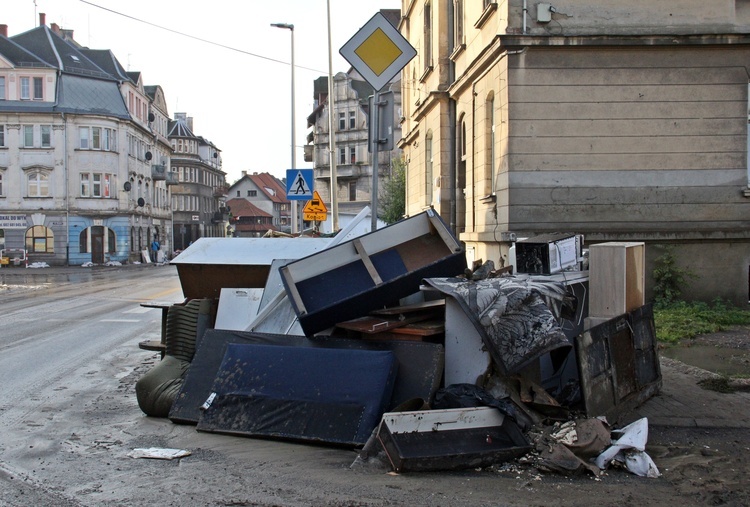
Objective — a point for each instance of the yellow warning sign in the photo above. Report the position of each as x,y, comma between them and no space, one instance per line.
315,209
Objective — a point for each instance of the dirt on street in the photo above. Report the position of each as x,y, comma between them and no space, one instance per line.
74,450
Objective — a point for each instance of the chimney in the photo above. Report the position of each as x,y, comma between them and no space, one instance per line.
190,122
244,173
42,19
55,28
4,30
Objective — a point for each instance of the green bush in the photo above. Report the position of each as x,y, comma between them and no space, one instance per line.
669,280
679,320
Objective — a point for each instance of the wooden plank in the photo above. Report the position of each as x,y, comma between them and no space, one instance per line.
367,262
373,324
417,307
291,289
425,328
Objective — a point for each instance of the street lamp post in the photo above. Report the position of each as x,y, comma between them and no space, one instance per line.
295,219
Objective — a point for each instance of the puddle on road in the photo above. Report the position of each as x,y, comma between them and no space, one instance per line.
728,361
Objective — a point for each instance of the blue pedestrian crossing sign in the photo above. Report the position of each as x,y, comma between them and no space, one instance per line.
299,184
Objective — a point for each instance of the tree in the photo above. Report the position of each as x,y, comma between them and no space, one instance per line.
392,198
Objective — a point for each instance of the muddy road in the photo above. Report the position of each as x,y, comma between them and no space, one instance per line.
70,422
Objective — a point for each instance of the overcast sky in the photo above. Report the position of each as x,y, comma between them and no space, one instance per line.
236,81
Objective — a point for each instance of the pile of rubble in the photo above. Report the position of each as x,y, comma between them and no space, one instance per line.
388,342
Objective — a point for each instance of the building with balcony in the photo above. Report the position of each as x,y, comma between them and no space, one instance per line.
81,140
353,159
199,195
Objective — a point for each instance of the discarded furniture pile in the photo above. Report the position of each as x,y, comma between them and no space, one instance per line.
388,342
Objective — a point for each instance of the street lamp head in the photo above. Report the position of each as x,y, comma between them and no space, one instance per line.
283,25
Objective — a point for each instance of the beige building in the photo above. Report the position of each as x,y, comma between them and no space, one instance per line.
620,122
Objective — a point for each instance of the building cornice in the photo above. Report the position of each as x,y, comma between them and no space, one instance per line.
524,41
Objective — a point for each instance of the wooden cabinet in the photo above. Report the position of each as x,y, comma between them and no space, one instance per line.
616,278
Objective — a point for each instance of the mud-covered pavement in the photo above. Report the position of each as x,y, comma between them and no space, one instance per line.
66,437
73,450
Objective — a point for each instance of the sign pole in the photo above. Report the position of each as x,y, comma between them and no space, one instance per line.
375,119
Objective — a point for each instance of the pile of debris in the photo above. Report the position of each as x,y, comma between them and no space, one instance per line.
387,342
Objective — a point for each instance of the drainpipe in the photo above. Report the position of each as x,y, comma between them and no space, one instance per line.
452,173
67,188
525,10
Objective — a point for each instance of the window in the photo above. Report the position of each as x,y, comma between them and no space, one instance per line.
38,184
352,120
46,134
1,183
342,156
491,143
28,136
85,185
2,135
252,193
25,88
238,194
83,241
342,121
96,187
428,168
38,91
352,155
427,36
100,138
39,239
109,183
353,190
458,23
2,87
83,134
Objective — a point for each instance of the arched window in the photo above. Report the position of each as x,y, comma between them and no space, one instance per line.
83,241
40,239
490,131
133,242
37,183
111,241
461,157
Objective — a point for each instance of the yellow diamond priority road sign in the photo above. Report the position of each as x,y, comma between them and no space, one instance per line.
378,51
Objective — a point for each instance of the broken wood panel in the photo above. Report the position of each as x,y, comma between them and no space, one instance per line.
619,364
